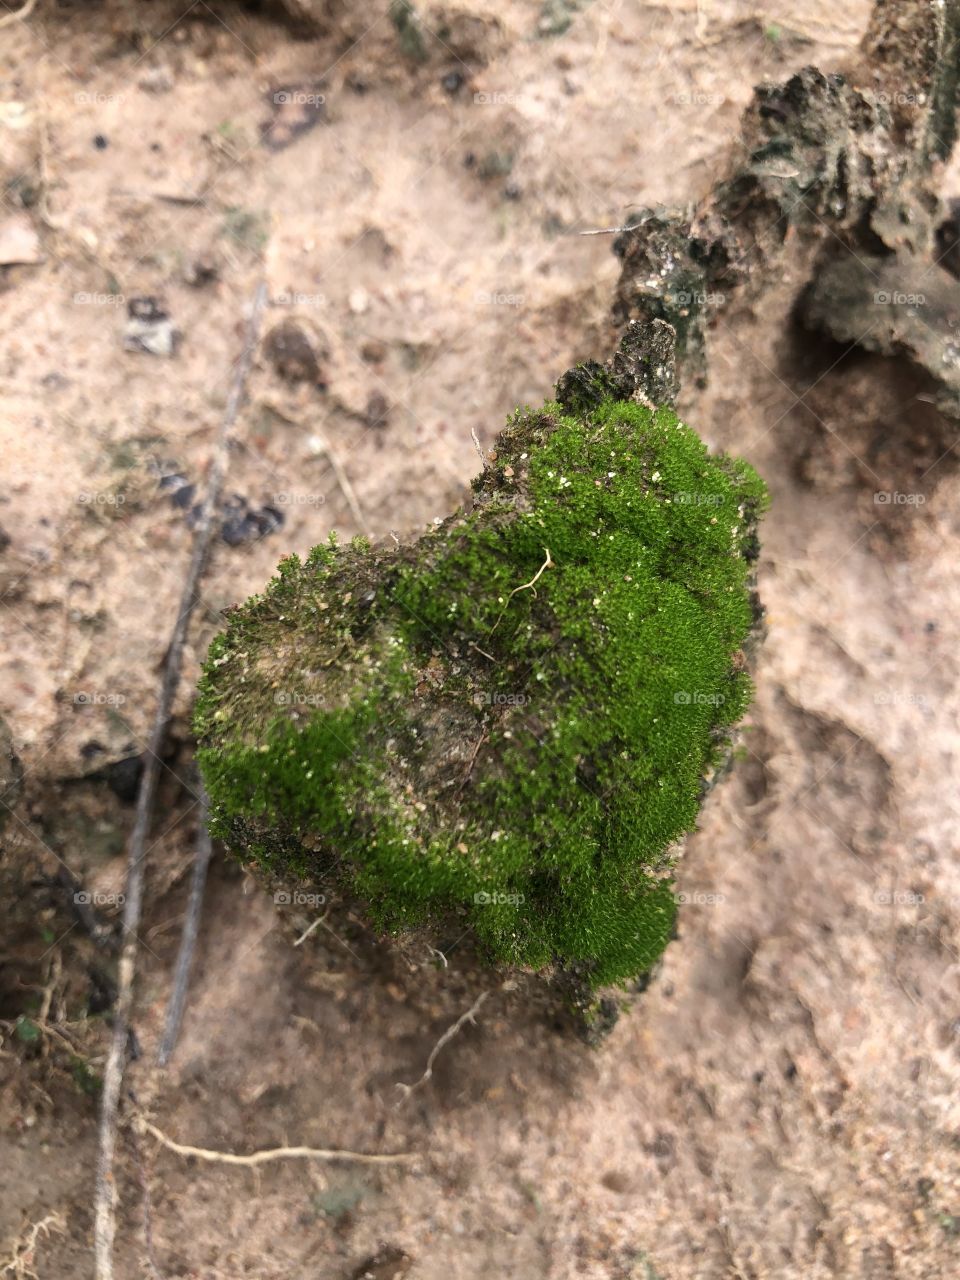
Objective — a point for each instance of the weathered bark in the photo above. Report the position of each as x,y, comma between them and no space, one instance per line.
847,162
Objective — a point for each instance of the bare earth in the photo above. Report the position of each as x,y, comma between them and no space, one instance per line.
783,1101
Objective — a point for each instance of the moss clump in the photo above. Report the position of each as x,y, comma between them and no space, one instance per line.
512,719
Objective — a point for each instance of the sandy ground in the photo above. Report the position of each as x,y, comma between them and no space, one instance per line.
783,1100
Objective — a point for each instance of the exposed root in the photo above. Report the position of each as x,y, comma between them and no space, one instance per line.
309,929
272,1153
105,1192
527,586
191,930
19,1264
448,1035
21,15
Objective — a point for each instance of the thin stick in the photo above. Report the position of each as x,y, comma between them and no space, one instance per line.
101,932
605,231
21,15
324,448
147,1210
343,480
191,929
473,760
273,1153
310,928
105,1197
451,1031
19,1265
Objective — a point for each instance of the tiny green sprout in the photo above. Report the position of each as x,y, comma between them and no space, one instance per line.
26,1030
84,1077
406,22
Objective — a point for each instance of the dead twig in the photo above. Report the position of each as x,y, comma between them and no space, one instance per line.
101,931
343,480
56,1030
473,760
273,1153
105,1194
21,14
310,928
56,968
147,1209
323,448
448,1035
479,447
605,231
191,929
19,1264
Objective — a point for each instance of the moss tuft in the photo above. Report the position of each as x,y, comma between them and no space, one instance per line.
510,721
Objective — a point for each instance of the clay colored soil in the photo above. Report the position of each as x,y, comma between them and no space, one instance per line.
782,1102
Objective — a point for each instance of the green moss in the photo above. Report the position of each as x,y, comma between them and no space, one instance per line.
510,721
409,29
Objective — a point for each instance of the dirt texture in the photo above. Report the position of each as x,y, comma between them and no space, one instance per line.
783,1099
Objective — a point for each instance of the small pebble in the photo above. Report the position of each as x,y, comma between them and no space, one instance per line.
242,524
295,351
149,328
203,270
156,80
123,778
373,351
378,410
184,496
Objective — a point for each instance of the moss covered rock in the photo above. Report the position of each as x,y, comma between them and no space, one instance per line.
512,720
